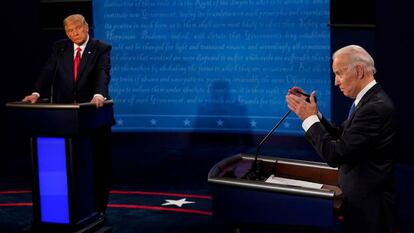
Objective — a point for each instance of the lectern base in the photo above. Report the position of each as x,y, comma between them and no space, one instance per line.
96,227
104,230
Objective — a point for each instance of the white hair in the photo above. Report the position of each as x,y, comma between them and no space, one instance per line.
357,55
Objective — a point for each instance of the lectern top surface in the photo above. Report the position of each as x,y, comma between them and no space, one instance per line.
20,104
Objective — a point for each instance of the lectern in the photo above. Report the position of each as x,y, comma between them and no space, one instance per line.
239,201
61,150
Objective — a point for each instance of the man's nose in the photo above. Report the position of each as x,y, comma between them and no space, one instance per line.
336,81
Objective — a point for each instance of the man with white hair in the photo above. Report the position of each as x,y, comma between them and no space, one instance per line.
364,146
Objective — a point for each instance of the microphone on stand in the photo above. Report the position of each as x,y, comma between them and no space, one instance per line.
256,169
60,52
53,83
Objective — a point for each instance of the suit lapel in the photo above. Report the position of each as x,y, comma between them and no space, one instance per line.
363,101
375,89
85,58
67,61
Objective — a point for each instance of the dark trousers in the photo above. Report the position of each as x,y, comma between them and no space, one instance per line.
376,213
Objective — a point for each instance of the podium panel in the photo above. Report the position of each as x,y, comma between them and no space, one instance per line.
62,149
53,181
237,200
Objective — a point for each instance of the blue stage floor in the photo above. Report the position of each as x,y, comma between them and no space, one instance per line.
146,180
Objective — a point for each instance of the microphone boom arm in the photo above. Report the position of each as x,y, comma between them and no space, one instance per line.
254,172
255,168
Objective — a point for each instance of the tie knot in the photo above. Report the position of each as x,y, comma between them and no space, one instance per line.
78,49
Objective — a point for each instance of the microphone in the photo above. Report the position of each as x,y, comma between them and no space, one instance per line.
60,53
255,172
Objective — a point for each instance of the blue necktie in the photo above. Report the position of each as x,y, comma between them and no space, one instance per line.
351,110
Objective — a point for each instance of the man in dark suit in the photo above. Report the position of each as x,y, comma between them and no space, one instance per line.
364,147
78,71
58,75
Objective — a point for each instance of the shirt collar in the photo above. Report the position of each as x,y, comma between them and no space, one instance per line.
364,91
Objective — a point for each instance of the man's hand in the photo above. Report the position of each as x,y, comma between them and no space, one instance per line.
296,91
98,100
298,105
31,98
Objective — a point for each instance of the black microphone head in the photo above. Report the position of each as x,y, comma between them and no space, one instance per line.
308,99
307,96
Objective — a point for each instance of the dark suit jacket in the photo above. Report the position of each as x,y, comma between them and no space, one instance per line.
364,148
93,78
93,75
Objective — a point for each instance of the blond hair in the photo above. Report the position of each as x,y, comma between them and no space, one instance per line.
75,18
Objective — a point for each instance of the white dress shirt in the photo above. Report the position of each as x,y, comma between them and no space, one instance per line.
308,122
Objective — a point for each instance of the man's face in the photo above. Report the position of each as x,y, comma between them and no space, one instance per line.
77,31
345,76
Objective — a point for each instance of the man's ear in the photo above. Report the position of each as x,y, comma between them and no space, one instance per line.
360,71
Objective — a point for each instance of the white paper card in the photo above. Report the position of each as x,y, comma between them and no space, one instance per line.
285,181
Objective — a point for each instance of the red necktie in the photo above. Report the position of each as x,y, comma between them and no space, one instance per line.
76,62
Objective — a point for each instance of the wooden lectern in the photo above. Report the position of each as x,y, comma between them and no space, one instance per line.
62,165
238,201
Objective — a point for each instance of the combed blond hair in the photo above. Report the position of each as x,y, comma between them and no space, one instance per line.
75,18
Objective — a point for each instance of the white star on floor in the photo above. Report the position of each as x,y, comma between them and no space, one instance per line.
178,203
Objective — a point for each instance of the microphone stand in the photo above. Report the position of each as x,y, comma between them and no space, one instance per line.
60,53
53,83
255,170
